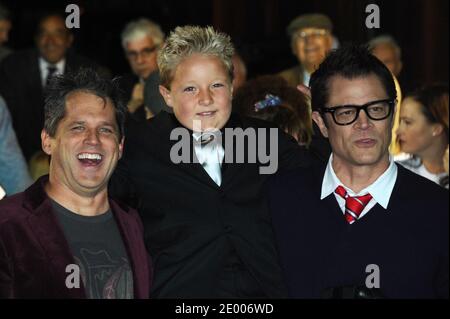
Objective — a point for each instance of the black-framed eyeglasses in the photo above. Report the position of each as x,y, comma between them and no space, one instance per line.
348,114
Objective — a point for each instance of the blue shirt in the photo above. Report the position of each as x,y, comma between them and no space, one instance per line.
14,176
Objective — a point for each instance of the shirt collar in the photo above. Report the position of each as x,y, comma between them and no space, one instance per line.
59,66
306,78
380,190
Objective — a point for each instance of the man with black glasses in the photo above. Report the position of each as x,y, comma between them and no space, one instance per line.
359,226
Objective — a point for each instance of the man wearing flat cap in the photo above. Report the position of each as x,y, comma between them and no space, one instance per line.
311,39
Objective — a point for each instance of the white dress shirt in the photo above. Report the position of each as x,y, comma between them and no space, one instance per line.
43,67
306,78
210,155
380,189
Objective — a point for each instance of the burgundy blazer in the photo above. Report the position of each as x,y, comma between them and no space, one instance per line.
34,252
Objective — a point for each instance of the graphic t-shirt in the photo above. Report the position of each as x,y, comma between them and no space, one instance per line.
98,249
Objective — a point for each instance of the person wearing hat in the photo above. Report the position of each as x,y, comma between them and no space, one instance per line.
311,39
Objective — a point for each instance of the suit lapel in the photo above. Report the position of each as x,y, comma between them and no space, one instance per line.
230,170
194,169
34,78
138,260
44,225
49,234
299,75
197,171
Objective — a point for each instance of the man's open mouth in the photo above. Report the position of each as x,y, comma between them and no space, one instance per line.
90,159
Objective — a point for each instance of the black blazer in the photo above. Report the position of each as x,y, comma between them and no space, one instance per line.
319,250
189,221
21,87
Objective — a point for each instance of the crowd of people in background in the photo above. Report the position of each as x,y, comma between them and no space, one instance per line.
205,231
311,37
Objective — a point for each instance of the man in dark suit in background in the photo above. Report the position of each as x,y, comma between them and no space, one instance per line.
360,226
24,75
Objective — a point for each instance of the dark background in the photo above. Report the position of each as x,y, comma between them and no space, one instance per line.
257,28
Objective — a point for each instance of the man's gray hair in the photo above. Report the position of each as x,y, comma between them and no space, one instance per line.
83,80
188,40
386,39
142,27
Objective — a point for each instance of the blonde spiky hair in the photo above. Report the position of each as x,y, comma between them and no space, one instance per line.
188,40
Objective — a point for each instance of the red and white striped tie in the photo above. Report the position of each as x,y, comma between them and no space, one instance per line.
353,205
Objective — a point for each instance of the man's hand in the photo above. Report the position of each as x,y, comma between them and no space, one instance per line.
137,97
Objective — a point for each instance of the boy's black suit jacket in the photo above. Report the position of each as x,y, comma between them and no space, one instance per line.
189,221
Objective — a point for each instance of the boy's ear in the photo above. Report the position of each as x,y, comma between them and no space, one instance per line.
166,95
46,142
